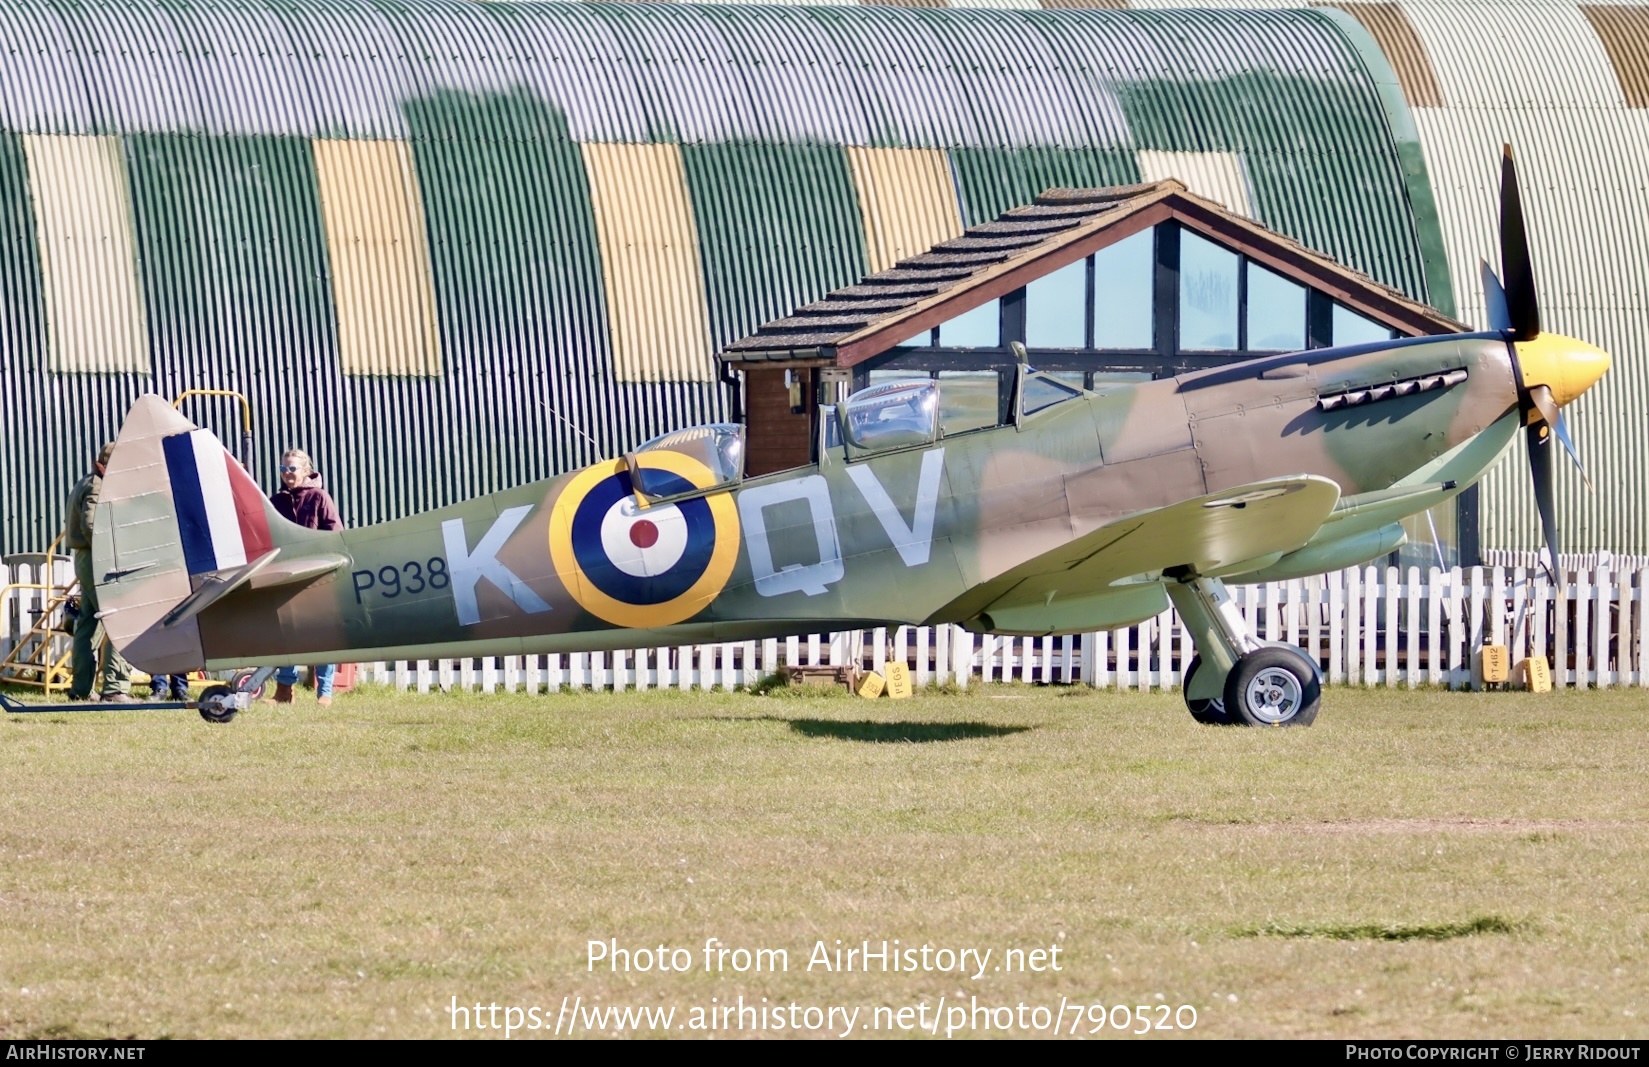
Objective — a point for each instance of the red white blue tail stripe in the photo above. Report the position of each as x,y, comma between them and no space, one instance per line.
220,510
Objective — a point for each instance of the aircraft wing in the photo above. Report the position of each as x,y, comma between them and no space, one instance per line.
1097,577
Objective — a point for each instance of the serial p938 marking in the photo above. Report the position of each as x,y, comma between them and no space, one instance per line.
393,579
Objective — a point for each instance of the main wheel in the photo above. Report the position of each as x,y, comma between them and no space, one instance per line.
1207,712
1273,687
214,705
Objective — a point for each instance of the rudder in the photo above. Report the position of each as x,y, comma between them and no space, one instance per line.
179,524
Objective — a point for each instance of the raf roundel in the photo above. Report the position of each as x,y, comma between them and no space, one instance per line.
637,566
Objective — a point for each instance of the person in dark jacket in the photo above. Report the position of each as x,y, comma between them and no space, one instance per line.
303,499
89,638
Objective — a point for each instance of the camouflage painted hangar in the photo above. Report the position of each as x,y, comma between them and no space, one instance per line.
451,247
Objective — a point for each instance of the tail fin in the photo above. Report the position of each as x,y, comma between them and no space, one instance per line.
180,525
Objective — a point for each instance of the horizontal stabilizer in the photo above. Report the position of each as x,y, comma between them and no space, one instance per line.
262,573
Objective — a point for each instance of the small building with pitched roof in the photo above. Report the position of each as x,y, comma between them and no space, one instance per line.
1099,285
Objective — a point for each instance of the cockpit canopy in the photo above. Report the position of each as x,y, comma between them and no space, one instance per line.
895,415
911,412
715,453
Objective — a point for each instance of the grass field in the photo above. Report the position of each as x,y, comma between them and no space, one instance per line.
1417,864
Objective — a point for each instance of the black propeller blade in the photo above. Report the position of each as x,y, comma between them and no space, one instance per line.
1545,488
1561,428
1494,300
1523,307
1515,308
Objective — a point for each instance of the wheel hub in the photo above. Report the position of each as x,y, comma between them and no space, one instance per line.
1274,695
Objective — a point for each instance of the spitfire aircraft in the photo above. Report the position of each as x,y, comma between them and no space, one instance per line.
1088,510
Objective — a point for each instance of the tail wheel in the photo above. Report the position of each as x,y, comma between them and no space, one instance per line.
1207,712
242,679
1273,687
217,704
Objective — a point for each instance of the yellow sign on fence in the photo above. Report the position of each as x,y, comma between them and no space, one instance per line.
1496,664
871,687
898,681
1538,674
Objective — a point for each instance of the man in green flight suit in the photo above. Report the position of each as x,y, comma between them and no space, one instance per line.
88,632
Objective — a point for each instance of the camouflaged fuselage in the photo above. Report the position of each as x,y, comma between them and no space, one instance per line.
900,537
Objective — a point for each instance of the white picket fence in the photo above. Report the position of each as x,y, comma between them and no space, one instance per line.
1368,626
1578,561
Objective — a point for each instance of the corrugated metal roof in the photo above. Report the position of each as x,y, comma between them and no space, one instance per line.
650,263
1543,55
1624,31
379,258
23,323
495,105
906,199
1401,44
989,181
247,70
134,64
1216,176
229,236
518,286
44,90
356,72
755,206
83,215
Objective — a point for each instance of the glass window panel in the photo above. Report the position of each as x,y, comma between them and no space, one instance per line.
1056,308
1351,328
1124,288
968,400
1207,295
829,427
877,377
979,328
1104,378
719,446
1042,392
1276,312
896,415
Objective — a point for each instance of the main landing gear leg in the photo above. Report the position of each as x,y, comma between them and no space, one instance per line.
1236,678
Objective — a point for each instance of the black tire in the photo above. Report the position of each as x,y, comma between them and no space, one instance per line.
1207,712
211,705
1273,687
240,680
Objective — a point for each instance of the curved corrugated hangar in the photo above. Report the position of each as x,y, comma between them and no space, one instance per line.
449,247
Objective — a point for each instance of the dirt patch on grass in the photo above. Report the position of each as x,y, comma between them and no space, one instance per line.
1465,824
1438,931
